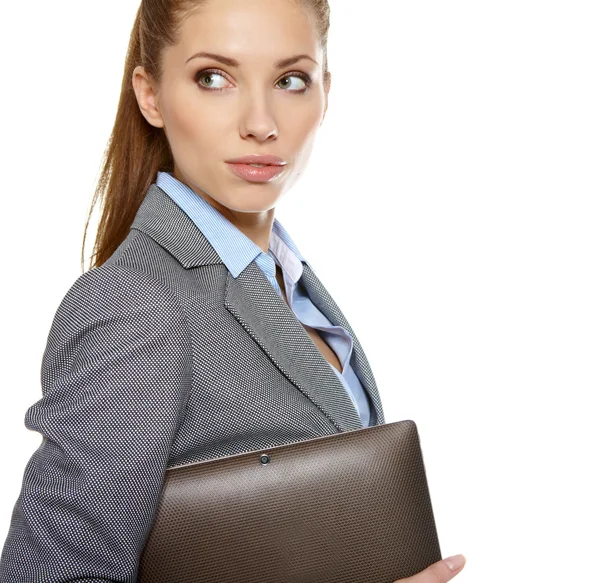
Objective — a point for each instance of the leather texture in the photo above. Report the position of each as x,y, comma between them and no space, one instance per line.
155,359
352,507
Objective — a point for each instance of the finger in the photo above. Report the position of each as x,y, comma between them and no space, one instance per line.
439,572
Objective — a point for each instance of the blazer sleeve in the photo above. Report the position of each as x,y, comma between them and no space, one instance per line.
115,375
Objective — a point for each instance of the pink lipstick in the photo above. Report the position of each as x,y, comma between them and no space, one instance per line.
267,167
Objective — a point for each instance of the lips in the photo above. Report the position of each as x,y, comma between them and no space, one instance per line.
256,174
264,159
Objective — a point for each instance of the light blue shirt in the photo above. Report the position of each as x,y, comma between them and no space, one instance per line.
237,251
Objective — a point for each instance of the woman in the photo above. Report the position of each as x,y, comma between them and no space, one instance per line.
201,331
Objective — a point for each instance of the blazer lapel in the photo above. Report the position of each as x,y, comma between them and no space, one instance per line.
263,314
268,319
358,360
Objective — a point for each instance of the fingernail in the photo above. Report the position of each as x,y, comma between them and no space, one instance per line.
456,562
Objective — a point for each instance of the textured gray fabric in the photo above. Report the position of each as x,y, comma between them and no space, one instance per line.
158,358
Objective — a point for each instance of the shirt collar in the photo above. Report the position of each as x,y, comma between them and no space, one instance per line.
235,249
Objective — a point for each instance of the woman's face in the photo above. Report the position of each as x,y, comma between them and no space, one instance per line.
213,111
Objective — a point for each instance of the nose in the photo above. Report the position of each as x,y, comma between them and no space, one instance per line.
258,121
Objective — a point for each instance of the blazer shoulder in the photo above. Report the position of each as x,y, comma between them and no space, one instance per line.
114,292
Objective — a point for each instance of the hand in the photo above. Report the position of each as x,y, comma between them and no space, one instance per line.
439,572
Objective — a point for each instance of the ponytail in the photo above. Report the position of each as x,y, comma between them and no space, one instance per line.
134,154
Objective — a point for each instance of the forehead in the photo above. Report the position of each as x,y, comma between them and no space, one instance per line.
251,31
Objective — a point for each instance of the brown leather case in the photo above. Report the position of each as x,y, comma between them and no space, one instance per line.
352,507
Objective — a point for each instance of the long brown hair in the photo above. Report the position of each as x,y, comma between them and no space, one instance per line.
136,150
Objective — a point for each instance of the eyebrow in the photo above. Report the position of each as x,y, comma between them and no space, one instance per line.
281,64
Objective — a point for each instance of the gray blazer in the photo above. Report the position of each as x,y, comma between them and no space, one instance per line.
158,358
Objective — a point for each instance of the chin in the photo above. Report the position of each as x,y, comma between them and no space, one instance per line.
250,206
256,199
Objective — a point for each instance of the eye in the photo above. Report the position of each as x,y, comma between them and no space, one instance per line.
201,76
204,79
303,77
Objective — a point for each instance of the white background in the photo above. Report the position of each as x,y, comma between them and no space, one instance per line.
451,208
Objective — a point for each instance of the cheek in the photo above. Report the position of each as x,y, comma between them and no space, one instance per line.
191,129
305,122
303,130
